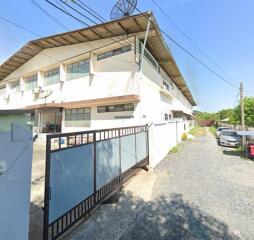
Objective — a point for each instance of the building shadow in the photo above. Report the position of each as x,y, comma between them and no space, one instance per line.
165,218
36,222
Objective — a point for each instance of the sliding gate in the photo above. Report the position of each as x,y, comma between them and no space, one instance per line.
84,168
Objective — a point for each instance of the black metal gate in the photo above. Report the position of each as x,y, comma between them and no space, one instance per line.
83,169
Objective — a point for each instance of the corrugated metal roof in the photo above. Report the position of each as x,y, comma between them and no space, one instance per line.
125,26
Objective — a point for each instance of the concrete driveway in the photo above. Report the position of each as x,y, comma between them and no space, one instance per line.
199,192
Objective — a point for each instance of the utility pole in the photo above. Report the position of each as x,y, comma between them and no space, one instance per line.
242,113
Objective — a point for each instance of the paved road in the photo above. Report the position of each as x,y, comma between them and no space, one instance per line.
202,192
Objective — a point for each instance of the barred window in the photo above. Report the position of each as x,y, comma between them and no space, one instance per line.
2,90
15,86
78,69
116,108
78,117
51,77
114,52
31,82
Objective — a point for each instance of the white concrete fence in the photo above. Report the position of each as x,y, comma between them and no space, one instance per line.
164,136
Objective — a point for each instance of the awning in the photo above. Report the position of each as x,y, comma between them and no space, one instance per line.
89,103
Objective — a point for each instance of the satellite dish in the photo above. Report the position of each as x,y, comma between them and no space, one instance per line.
122,9
43,94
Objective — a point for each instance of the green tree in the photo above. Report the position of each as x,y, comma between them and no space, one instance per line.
235,118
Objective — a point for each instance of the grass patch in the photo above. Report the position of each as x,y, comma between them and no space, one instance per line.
212,130
174,149
198,131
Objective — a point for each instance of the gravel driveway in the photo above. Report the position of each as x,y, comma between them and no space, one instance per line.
201,192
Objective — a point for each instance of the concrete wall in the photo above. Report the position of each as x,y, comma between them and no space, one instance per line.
15,182
163,137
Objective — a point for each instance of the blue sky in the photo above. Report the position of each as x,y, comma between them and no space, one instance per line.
223,29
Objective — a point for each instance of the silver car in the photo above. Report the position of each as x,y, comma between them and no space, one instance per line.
229,138
219,129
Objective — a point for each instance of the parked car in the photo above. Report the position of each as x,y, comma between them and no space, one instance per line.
229,138
219,129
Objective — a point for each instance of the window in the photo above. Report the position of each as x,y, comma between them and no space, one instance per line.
78,69
78,117
149,57
166,117
114,52
15,86
31,82
116,108
51,77
2,90
165,86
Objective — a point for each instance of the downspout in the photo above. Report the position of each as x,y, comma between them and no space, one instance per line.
141,64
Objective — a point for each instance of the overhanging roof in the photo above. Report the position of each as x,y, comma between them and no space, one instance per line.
125,26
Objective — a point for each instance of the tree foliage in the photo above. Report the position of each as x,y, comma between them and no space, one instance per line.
233,115
248,112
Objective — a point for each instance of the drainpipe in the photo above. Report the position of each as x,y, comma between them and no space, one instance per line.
141,64
144,45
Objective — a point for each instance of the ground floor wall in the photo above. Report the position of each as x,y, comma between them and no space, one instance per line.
164,136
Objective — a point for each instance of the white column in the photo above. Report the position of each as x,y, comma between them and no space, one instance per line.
22,84
62,73
40,78
92,63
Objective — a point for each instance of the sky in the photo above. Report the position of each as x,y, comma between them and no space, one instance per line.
223,29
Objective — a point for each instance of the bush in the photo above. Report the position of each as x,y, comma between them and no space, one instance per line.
184,136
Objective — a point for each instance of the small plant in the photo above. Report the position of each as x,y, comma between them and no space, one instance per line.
184,136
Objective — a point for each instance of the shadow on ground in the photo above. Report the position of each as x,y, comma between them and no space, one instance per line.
164,218
36,222
234,152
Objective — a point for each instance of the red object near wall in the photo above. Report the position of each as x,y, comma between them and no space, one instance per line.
251,150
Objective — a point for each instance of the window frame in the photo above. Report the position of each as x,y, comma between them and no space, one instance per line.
84,74
45,78
114,52
16,88
116,108
74,117
30,79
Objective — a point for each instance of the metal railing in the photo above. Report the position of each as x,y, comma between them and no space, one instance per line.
58,146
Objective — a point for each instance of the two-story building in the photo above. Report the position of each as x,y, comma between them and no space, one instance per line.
96,77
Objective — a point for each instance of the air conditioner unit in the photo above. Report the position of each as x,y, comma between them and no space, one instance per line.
7,97
36,90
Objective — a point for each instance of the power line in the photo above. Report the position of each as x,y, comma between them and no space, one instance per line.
195,44
76,18
50,16
20,27
192,55
77,11
95,14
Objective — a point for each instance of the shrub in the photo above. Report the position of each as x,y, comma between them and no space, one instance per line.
184,136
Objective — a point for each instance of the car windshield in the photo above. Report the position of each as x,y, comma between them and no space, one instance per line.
223,128
229,133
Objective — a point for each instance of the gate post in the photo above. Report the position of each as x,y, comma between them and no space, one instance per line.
47,189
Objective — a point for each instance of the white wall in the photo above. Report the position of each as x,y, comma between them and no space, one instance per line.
113,76
163,136
15,184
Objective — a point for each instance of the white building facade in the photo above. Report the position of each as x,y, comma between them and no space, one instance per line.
74,81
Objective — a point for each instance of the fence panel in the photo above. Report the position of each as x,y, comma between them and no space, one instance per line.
84,168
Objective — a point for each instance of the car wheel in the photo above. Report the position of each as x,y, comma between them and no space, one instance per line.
218,141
